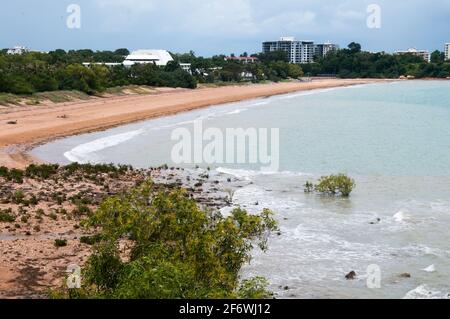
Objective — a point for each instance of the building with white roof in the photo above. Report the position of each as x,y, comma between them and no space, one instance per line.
156,57
18,50
424,54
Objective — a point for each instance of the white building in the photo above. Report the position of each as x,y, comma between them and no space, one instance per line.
424,54
18,50
447,51
186,67
156,57
242,59
298,51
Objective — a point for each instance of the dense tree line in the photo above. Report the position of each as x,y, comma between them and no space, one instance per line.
60,70
352,62
273,66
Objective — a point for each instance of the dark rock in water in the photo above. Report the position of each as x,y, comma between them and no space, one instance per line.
286,288
351,275
257,204
405,275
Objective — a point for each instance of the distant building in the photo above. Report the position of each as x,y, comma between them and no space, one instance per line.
156,57
101,63
306,51
242,59
322,49
18,50
447,51
298,51
186,67
424,54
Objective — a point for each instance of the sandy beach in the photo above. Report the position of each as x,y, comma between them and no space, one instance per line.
33,125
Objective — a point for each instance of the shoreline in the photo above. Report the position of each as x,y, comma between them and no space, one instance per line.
41,124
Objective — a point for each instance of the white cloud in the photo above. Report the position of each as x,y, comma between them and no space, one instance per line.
213,17
198,17
238,21
291,22
135,6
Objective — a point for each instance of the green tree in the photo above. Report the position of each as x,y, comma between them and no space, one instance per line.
174,249
437,57
78,77
295,71
354,47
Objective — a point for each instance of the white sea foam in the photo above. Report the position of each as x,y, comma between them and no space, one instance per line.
83,153
425,292
431,268
247,174
401,217
254,199
236,111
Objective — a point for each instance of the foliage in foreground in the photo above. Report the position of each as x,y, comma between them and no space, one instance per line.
332,185
173,249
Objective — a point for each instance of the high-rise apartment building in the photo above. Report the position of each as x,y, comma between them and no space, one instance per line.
322,49
298,51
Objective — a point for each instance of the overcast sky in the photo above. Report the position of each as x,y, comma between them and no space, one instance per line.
222,26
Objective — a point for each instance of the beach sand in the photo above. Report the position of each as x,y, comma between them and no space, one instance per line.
38,124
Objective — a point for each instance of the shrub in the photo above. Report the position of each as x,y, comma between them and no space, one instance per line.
91,240
60,243
177,249
336,184
4,172
15,175
33,200
18,197
81,210
43,171
6,216
309,187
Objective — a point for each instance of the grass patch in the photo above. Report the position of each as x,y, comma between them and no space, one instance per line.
61,96
9,99
6,216
130,89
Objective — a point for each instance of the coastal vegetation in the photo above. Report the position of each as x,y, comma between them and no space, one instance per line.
155,243
34,72
334,185
59,70
37,73
273,66
353,62
147,233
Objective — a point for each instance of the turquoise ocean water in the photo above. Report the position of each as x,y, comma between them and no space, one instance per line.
393,138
